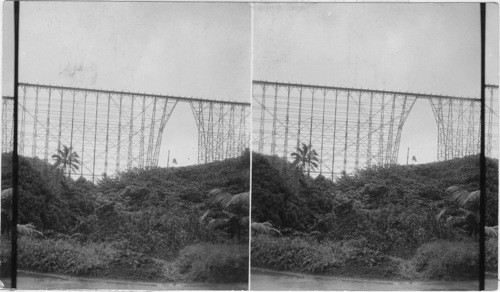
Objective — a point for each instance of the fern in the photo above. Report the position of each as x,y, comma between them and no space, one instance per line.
264,227
27,229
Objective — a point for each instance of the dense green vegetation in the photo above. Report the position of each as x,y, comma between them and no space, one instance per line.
141,224
380,221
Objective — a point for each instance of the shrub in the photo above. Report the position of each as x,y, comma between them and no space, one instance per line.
305,254
214,262
492,254
294,254
132,265
447,259
63,256
92,259
5,256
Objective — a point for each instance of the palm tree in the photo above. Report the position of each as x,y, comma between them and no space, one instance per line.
305,158
230,212
66,160
468,212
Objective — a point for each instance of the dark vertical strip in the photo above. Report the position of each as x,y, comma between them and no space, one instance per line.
15,158
482,179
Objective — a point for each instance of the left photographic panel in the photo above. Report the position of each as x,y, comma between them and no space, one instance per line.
133,143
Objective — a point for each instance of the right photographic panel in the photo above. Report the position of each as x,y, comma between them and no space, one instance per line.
366,129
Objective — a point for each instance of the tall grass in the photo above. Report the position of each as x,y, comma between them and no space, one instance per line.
492,254
295,254
214,262
347,257
60,256
447,260
91,259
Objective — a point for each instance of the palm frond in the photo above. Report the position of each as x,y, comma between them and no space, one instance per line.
440,214
455,220
244,221
491,231
204,216
241,199
7,194
217,223
27,229
264,227
214,192
229,214
222,199
462,196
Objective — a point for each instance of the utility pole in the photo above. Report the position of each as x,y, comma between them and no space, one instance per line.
407,155
168,159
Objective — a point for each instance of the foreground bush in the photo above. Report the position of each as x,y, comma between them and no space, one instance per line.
491,254
214,262
447,259
349,257
5,256
92,259
294,254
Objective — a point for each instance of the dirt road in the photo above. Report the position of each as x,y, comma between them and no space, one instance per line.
262,279
30,280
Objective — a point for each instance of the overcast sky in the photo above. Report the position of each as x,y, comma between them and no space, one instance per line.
427,48
204,50
181,49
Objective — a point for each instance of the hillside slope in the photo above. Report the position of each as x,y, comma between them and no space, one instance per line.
140,215
379,212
